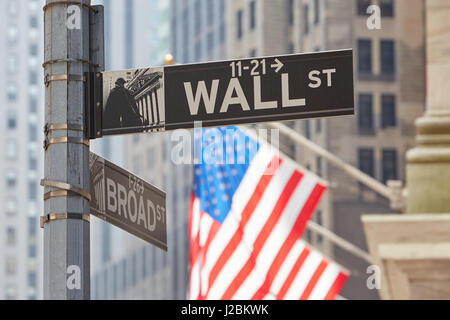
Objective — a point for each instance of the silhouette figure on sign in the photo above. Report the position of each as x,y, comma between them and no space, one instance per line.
121,110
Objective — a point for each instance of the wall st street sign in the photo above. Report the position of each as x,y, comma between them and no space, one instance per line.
128,202
223,93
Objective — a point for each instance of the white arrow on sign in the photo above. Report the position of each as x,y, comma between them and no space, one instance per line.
278,65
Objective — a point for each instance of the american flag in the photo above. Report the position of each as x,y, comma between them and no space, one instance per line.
246,218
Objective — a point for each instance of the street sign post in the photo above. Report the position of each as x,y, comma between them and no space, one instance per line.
223,93
128,202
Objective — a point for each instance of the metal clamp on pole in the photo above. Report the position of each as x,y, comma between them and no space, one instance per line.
65,190
75,140
96,65
63,216
67,3
62,77
62,126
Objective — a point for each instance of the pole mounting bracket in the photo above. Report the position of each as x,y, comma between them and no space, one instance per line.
65,189
63,77
94,105
63,216
68,3
75,140
62,126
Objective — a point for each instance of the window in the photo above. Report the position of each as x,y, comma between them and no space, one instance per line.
308,235
365,114
32,251
210,12
290,8
12,34
145,258
387,8
307,129
316,11
151,158
32,279
12,92
115,280
365,56
239,24
133,269
13,8
388,114
164,152
32,161
129,30
222,8
252,15
10,236
11,292
33,4
319,166
185,25
210,41
318,125
12,120
306,18
174,38
362,6
32,132
33,104
291,47
366,161
387,57
33,50
389,158
11,150
11,178
319,221
11,206
10,266
12,63
137,164
33,77
122,274
33,22
198,20
222,32
32,190
198,50
32,225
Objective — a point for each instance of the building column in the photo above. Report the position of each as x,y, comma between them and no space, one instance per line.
150,107
155,107
428,169
413,250
144,101
139,103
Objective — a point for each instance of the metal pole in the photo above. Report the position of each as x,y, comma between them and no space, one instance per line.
66,204
340,242
352,171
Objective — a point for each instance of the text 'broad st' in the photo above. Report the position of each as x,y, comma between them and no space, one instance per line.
128,202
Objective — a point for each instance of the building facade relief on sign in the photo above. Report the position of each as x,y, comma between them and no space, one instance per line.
133,99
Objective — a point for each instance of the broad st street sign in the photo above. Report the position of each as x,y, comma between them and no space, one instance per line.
223,93
128,202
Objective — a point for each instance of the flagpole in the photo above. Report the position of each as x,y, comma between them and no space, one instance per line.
362,177
393,192
341,242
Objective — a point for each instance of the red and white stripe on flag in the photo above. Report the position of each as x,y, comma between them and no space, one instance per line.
256,252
